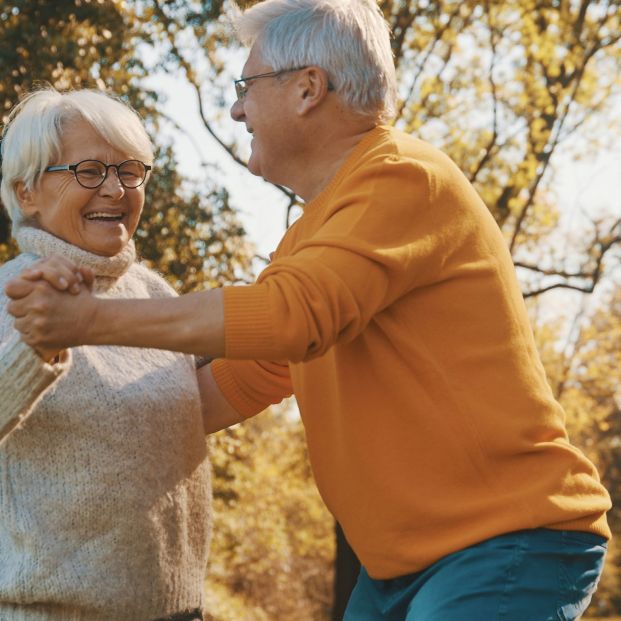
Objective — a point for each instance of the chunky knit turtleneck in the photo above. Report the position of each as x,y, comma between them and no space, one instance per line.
104,476
43,244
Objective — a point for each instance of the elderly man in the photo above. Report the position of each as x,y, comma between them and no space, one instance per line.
392,311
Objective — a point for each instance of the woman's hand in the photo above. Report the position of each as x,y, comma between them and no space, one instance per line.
50,321
59,273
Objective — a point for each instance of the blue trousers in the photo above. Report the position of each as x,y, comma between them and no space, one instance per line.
530,575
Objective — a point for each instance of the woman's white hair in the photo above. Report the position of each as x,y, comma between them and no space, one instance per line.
32,137
349,39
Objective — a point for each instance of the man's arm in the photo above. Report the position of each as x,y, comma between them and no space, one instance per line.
48,319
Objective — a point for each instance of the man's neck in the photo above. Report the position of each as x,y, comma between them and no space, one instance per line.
321,162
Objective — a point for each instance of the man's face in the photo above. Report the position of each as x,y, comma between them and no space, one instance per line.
267,111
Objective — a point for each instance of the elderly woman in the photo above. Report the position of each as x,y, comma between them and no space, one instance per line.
104,472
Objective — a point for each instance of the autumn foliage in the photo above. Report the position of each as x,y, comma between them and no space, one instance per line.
509,89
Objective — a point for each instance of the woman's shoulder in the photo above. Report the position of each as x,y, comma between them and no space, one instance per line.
10,269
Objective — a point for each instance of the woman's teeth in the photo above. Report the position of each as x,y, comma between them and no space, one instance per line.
100,215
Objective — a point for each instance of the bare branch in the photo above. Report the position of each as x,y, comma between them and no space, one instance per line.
552,271
293,201
189,73
592,276
421,66
571,349
556,131
546,153
401,25
187,134
560,285
494,137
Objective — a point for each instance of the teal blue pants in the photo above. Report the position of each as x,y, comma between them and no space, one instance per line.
530,575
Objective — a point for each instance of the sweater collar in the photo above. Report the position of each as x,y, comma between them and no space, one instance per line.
44,244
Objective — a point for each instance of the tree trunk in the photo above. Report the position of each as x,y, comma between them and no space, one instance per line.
347,567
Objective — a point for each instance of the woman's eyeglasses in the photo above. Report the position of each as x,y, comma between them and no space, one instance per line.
92,173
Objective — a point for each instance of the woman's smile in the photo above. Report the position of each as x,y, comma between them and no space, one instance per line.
100,220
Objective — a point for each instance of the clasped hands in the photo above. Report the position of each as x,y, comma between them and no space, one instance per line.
52,305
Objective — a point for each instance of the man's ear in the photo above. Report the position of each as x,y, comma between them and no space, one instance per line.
313,87
25,198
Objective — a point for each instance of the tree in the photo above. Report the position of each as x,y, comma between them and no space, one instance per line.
584,369
273,547
503,87
192,237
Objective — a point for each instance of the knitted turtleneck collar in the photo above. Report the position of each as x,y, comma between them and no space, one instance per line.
43,244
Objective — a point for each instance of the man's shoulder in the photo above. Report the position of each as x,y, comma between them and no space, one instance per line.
392,144
393,158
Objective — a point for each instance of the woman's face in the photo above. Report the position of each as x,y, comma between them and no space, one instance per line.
100,220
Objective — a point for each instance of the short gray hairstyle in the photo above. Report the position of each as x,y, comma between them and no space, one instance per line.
32,137
349,39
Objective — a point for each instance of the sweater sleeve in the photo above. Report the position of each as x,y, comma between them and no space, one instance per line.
24,376
24,379
252,385
381,234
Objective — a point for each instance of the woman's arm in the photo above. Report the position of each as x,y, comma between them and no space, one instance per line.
218,413
24,378
24,373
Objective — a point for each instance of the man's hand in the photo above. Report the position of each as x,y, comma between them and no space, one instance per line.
61,274
49,320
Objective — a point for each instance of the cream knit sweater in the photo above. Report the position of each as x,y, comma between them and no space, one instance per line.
104,473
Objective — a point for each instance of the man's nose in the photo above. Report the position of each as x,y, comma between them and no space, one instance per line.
237,111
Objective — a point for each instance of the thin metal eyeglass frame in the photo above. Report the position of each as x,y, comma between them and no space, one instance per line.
242,89
73,168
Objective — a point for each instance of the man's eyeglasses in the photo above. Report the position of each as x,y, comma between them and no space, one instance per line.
241,85
92,173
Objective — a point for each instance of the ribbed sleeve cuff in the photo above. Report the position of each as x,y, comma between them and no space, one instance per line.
232,391
24,378
248,324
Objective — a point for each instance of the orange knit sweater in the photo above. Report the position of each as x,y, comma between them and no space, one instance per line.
430,422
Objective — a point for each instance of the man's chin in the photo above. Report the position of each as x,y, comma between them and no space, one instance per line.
254,168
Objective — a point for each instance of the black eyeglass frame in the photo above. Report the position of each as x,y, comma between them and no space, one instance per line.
241,89
74,169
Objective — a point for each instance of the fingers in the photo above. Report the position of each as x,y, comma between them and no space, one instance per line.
19,287
88,276
48,354
49,320
31,317
58,271
36,301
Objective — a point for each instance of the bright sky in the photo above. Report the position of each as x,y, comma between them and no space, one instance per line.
262,208
592,184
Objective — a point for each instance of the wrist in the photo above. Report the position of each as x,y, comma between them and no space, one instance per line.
53,356
93,328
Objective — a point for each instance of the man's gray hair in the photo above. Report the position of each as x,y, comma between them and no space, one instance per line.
349,39
32,137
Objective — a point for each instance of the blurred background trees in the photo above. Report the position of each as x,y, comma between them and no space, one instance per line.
514,91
